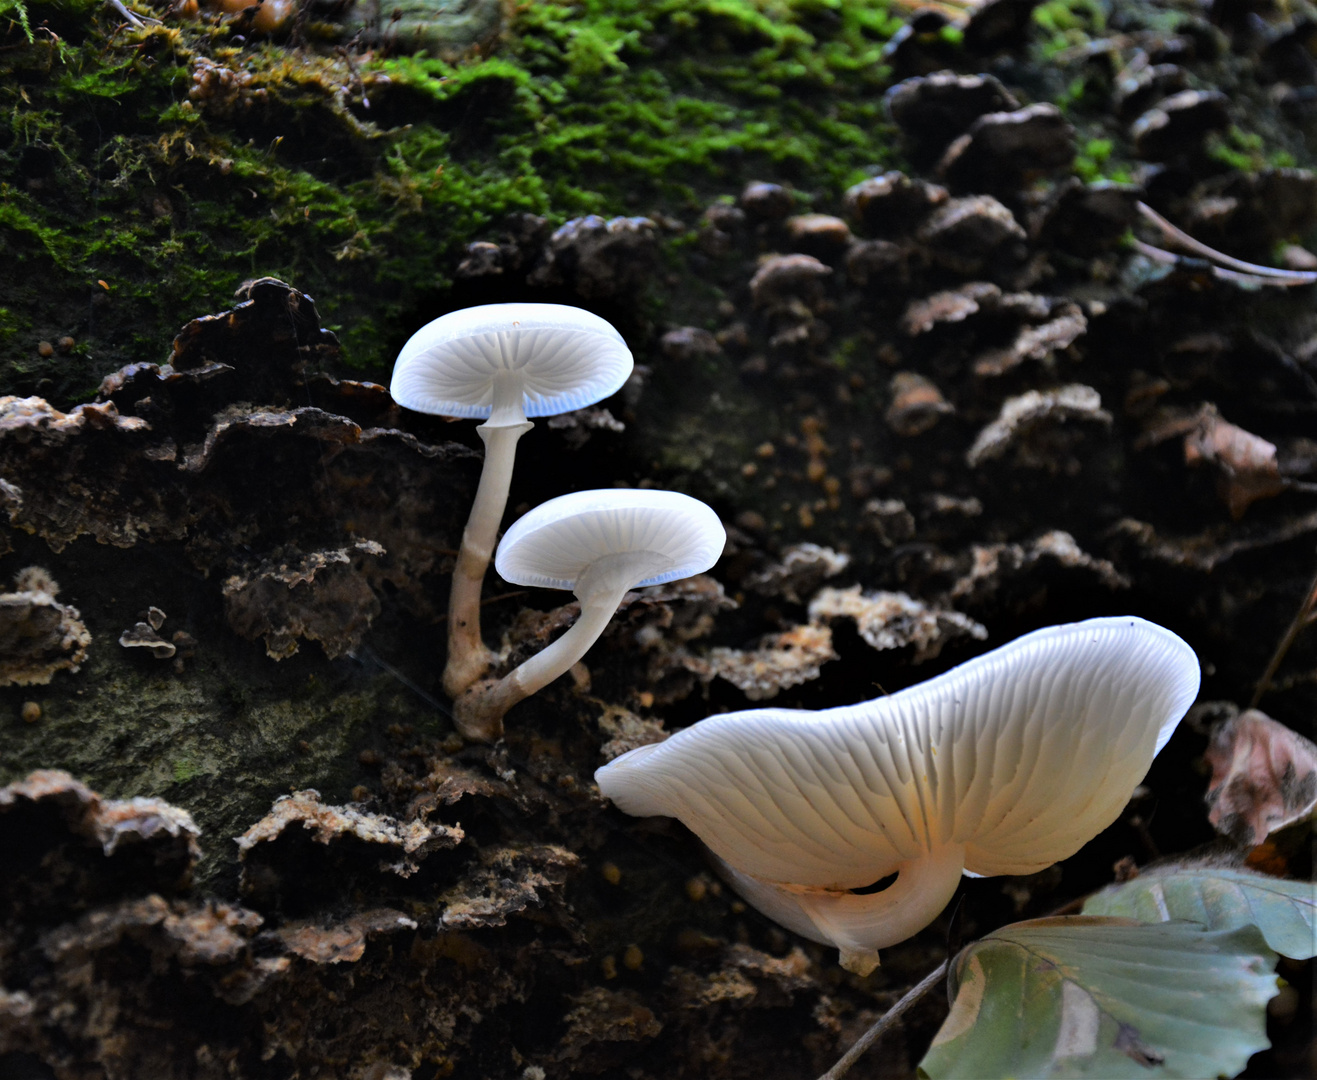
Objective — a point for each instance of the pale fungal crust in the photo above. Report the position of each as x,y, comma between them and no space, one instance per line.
405,843
670,536
1003,765
564,358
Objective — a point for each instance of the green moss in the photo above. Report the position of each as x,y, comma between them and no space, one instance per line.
111,173
1238,149
1091,160
1069,23
16,10
184,770
12,324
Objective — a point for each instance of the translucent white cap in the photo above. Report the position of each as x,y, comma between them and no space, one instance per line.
553,545
1019,757
567,358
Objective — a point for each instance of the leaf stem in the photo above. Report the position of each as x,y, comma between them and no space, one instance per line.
1301,619
890,1017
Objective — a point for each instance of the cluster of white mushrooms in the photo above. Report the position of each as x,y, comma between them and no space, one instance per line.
1003,765
505,363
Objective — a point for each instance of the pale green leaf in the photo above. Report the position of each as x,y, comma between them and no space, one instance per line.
1219,899
1082,996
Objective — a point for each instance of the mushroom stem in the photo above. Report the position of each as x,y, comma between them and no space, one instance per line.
468,659
478,714
859,924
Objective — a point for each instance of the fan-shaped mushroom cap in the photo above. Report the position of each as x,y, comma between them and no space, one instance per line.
664,534
1018,757
563,357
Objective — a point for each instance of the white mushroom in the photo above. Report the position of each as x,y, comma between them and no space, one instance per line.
599,544
1003,765
504,362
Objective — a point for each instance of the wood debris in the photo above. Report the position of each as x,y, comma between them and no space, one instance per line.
893,620
778,661
1023,415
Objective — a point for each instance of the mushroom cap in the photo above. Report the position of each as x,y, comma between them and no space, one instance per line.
552,545
1019,756
567,357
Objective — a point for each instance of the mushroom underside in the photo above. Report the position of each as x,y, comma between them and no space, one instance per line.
1013,761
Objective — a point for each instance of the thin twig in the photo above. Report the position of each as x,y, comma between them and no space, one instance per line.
365,653
1197,247
1156,254
889,1018
503,596
1301,619
1169,258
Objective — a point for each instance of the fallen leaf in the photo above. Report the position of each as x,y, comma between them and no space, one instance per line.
1246,463
1105,997
1218,898
1264,777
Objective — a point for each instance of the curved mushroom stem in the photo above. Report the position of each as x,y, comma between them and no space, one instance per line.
479,712
859,924
468,659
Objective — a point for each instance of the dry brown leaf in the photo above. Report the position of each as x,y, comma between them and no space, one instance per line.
1170,422
1264,777
1246,463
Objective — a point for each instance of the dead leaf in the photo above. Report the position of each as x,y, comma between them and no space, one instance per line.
1264,777
1246,463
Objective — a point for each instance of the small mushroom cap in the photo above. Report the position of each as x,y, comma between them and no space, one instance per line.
673,535
567,357
1020,757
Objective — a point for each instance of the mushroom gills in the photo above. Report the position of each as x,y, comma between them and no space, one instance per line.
1003,765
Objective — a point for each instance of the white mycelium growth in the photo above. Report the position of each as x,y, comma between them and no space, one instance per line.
504,362
1003,765
599,544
